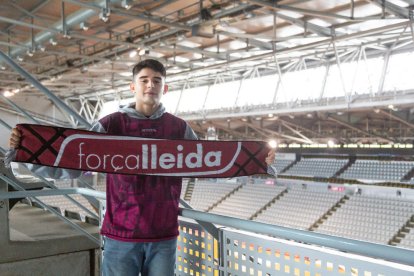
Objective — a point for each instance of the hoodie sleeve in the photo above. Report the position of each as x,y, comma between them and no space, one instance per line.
190,134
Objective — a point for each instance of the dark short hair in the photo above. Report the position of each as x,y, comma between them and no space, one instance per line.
152,64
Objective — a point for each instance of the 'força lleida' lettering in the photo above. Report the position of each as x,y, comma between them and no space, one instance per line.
149,159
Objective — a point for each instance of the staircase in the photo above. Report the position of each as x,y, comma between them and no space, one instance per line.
408,176
351,161
271,202
332,210
396,239
189,190
225,197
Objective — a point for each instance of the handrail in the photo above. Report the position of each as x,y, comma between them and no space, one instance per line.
22,192
386,252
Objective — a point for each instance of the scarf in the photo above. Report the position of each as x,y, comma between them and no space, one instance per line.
91,151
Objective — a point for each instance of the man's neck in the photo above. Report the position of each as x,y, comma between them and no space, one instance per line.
146,110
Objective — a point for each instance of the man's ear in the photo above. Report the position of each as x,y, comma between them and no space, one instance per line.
132,87
165,89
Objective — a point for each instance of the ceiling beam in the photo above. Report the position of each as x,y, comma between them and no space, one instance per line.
394,9
357,129
397,118
319,30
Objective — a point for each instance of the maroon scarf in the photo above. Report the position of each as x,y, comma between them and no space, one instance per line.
92,151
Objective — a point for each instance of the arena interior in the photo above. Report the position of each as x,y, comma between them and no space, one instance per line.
329,84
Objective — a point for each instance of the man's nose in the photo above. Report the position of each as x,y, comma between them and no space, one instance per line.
151,84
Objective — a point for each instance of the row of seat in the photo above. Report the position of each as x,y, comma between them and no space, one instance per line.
361,169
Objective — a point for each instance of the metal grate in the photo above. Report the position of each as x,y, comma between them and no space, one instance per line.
197,251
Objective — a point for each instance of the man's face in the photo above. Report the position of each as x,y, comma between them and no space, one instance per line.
148,86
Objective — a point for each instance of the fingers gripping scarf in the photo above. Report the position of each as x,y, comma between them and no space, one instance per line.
91,151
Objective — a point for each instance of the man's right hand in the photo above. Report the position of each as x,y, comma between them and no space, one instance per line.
15,138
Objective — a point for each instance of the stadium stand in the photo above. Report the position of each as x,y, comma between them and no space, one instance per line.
316,167
388,170
248,200
369,218
299,208
206,193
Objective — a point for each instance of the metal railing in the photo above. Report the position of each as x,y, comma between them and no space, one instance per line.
263,233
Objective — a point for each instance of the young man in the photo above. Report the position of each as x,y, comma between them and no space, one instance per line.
141,220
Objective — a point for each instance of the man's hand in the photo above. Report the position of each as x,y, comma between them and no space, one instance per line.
270,157
15,138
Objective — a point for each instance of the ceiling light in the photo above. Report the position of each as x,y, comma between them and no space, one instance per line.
30,53
104,15
244,119
53,42
41,48
133,53
3,67
339,113
8,94
84,26
377,110
273,144
143,52
84,69
390,106
15,91
258,118
126,4
126,74
331,143
309,115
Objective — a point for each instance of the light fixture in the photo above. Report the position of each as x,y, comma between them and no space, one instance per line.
53,42
377,110
84,26
3,67
273,144
15,91
390,106
309,115
270,115
331,143
126,4
41,48
104,15
66,35
30,53
143,52
19,58
8,94
133,53
126,74
84,69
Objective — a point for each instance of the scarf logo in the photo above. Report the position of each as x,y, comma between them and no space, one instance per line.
100,153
